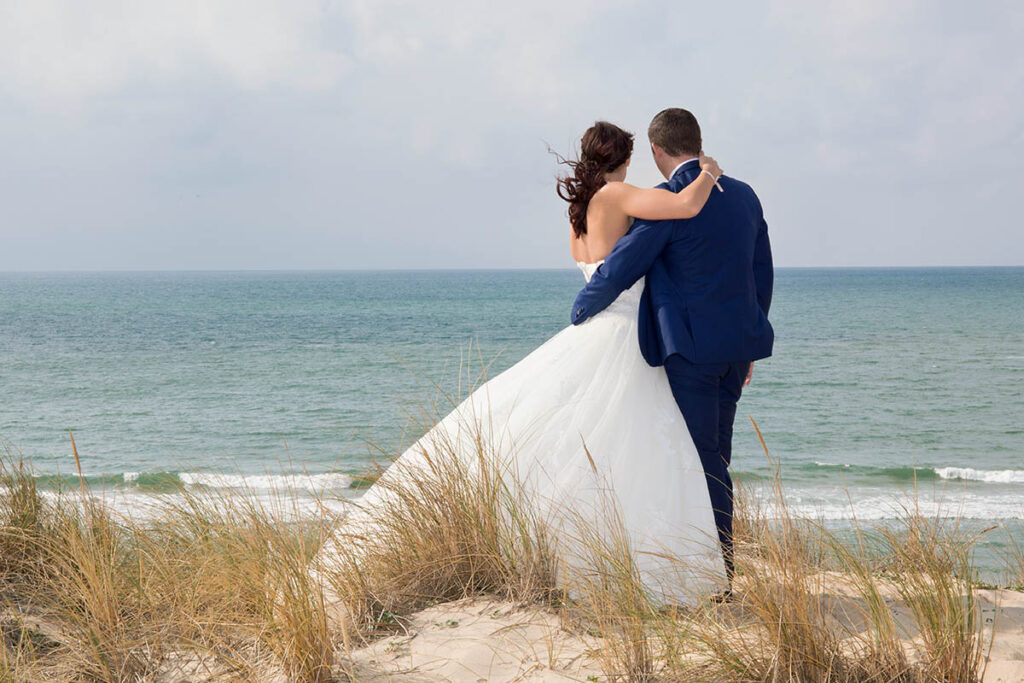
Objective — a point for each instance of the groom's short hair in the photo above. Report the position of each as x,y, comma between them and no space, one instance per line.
676,131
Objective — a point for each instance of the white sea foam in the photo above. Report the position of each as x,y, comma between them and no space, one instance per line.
886,507
267,482
991,476
147,506
818,505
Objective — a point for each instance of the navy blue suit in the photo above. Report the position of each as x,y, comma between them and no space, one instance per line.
703,314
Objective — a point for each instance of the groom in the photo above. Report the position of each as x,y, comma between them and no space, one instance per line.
703,315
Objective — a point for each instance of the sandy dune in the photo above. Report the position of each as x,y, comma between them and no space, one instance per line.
477,640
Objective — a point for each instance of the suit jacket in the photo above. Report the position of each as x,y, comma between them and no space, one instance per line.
709,278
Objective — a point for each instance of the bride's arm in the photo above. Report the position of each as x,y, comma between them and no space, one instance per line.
653,204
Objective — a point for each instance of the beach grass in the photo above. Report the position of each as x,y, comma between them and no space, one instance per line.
1014,557
452,527
222,583
218,586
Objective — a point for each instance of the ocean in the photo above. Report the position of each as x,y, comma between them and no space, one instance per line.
885,383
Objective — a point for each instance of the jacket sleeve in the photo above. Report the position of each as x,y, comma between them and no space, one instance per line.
764,272
632,257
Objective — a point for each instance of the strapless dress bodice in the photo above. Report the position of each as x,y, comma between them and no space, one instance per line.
589,268
627,303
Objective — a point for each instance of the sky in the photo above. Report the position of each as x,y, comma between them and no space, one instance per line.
312,134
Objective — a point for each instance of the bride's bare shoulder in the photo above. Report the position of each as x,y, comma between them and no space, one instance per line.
613,188
615,194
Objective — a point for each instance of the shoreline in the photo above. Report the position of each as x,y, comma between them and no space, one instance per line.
304,495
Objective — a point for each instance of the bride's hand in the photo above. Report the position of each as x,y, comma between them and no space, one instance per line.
710,165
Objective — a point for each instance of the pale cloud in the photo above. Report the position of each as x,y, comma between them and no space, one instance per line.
451,75
392,133
65,52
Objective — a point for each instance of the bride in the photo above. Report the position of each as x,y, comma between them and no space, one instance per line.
584,415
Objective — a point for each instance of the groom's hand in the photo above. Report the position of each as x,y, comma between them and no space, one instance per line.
750,375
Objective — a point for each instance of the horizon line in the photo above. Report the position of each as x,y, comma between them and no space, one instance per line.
449,269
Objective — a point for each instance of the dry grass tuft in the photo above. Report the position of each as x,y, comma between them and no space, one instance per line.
22,520
934,576
1014,558
244,563
455,524
609,598
225,577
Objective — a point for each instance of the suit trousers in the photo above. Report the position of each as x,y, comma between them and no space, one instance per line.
707,394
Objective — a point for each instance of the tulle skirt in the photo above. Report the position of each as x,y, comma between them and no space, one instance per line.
592,436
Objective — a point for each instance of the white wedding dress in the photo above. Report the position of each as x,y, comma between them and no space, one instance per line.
590,385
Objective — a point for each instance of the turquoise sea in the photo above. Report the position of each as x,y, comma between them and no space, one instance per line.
883,380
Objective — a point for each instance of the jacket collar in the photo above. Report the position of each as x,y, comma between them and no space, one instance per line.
691,165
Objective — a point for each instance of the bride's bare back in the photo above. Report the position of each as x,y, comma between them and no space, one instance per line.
606,224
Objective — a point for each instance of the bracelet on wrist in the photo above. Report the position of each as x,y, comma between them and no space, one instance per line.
713,178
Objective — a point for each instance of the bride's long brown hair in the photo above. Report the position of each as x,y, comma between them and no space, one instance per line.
603,148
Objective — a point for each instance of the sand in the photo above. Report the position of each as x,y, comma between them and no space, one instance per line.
476,640
1004,610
